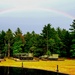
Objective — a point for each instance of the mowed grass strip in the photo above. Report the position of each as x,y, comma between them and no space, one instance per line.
66,66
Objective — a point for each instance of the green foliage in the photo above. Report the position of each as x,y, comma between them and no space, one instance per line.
73,39
19,42
2,41
8,40
9,35
48,53
51,44
38,52
50,41
32,49
17,47
5,49
65,42
72,53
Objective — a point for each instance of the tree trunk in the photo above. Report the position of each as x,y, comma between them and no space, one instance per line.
8,49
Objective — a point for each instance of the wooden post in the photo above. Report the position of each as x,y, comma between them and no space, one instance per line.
22,64
57,69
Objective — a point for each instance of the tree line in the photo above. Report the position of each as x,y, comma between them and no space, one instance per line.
49,41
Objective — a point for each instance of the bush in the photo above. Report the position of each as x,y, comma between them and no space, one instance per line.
48,53
38,52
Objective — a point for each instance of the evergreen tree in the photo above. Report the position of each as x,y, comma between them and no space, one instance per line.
2,41
72,29
8,39
28,44
48,36
19,42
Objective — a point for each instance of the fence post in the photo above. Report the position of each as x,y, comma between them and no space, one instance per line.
57,69
22,64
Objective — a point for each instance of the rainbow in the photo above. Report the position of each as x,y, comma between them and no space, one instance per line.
60,12
5,11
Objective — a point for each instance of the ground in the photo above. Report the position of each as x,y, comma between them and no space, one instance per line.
66,66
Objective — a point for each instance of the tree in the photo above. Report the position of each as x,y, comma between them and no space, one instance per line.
67,42
19,42
2,41
73,48
51,45
5,49
72,34
8,39
64,44
72,29
17,47
48,36
28,43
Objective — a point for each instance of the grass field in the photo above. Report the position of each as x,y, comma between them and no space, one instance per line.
66,66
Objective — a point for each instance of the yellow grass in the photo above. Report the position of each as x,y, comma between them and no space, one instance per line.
67,66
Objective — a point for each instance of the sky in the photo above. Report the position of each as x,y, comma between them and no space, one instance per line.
32,15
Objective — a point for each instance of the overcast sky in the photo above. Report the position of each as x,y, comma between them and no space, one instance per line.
31,15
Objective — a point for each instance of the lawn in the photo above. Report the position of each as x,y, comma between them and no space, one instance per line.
66,66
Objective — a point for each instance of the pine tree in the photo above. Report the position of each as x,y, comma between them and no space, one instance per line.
73,39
